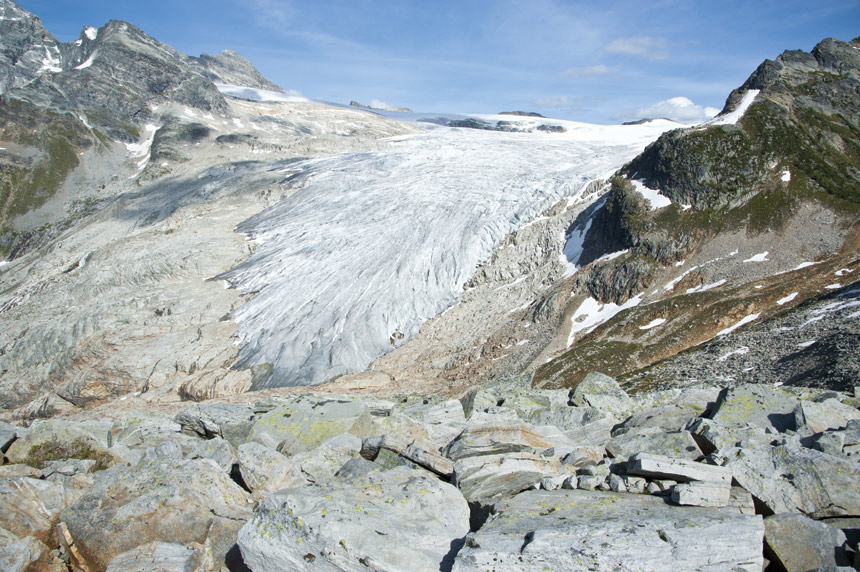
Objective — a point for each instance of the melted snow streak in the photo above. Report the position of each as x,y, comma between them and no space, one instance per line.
377,243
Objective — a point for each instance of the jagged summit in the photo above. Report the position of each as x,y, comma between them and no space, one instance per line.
231,68
26,47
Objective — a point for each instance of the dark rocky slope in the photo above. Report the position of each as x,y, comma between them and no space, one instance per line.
781,180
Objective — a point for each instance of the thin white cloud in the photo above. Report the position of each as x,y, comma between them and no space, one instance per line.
379,104
640,46
680,109
275,14
591,72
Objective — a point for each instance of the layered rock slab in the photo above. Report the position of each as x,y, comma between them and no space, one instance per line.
592,530
397,520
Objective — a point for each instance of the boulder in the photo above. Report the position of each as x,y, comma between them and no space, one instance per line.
29,507
799,544
321,464
680,445
8,433
702,494
398,520
219,450
303,423
591,530
821,416
491,475
160,556
430,460
762,406
265,470
711,435
604,393
479,400
788,479
228,421
29,555
581,456
657,467
668,419
499,439
443,421
186,502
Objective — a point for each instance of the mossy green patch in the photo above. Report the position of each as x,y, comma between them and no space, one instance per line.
54,450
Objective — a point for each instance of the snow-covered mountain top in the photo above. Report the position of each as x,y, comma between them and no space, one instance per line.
376,243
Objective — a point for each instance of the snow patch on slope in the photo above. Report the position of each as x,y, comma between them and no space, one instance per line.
592,313
732,117
654,198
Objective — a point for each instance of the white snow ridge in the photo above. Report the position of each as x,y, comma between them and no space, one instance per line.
377,243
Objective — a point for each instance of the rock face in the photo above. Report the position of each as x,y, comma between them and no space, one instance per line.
397,520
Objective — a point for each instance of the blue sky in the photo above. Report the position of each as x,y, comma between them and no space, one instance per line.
602,62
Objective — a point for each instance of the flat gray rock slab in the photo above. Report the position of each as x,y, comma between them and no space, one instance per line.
659,467
160,556
303,423
799,543
763,406
702,494
168,501
591,530
829,414
502,438
680,445
668,418
397,520
491,475
797,480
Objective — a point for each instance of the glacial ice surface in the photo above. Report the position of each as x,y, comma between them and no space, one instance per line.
376,243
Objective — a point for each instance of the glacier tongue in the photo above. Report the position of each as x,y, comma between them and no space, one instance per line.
376,243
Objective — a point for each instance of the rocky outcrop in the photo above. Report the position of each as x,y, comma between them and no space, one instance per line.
431,488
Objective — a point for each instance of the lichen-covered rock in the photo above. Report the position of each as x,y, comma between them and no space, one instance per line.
219,450
168,501
303,423
265,470
763,406
800,480
398,520
96,433
585,530
668,418
799,544
828,414
679,445
602,392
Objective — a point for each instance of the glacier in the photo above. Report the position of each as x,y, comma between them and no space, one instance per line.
373,244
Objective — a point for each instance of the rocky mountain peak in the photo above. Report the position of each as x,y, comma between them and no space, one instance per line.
27,49
231,68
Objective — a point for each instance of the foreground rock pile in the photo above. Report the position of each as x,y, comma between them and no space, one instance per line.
509,479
